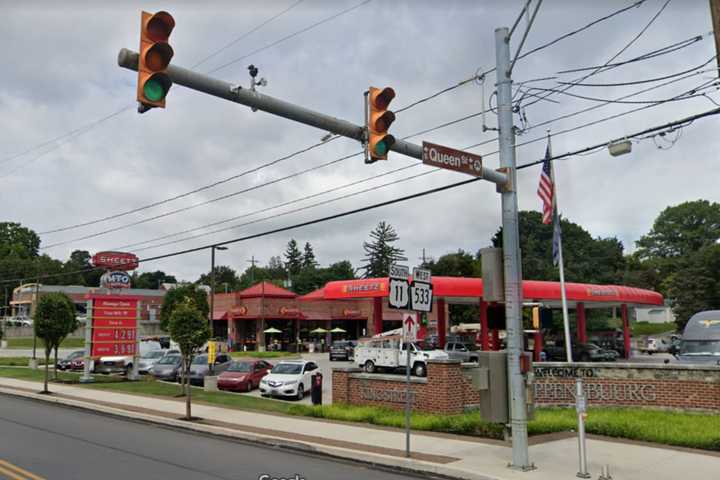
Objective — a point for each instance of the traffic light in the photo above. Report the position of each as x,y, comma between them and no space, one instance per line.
155,54
379,120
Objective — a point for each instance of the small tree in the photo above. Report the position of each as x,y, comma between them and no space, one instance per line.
308,260
54,320
190,330
177,296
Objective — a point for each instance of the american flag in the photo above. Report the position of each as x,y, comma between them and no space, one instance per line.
546,189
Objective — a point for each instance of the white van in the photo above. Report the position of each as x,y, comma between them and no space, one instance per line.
390,352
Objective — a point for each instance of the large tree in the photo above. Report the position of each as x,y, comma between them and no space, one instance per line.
587,259
152,280
180,294
223,275
18,241
457,264
308,259
695,285
380,252
293,258
86,275
681,230
190,330
54,320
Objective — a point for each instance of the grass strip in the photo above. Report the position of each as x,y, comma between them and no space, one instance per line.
684,429
27,342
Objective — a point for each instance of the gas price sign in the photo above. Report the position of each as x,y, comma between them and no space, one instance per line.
114,325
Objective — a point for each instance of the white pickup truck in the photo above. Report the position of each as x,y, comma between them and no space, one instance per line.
390,352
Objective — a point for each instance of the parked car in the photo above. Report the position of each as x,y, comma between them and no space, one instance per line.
390,352
342,350
199,367
288,378
582,352
655,345
243,376
465,352
67,362
167,368
123,364
148,360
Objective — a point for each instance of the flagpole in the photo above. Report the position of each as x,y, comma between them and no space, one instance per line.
561,266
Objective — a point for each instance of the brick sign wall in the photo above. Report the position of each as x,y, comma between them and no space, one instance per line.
663,386
445,390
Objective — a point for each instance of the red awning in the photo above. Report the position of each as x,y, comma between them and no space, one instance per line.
472,288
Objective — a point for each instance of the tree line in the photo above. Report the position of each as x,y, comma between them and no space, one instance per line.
679,257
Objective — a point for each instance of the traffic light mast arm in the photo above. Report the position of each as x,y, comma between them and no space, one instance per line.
219,88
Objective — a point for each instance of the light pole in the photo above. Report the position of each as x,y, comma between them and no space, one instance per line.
212,284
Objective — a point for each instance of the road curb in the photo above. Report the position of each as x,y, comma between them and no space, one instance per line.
373,460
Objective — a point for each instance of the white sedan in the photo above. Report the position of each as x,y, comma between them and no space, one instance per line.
288,378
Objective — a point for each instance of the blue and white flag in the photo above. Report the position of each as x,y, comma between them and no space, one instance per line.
557,234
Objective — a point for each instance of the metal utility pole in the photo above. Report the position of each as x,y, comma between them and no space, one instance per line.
37,301
212,285
252,263
511,255
715,16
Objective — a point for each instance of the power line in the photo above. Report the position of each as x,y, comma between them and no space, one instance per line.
284,204
682,121
380,204
292,35
622,50
246,34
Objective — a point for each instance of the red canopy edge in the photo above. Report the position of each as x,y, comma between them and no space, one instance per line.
449,287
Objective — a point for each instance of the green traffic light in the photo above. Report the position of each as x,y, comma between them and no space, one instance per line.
153,90
381,148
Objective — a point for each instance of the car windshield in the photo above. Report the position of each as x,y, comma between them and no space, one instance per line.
154,354
169,360
199,360
422,346
240,367
74,355
700,347
287,368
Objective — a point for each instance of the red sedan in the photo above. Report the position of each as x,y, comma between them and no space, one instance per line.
243,376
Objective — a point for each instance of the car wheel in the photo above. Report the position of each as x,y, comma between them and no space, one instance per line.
369,366
249,386
419,370
128,370
474,360
649,352
300,392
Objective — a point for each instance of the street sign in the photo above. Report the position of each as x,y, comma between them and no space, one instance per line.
410,327
399,287
451,159
421,290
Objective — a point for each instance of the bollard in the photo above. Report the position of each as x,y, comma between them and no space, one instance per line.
605,473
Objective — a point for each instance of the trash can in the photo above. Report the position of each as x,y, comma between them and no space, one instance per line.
316,389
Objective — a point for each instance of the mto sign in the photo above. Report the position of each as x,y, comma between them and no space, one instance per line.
115,280
115,260
451,159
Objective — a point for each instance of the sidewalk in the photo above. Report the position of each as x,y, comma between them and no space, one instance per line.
451,455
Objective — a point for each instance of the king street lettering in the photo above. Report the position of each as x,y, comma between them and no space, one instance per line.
451,159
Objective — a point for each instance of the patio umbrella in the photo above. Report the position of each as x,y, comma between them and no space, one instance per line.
338,330
319,330
272,330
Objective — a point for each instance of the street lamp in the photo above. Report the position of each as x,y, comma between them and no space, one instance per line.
212,284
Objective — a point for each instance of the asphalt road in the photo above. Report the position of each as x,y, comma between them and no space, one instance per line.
55,442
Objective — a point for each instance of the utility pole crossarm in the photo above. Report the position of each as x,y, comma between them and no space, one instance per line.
254,99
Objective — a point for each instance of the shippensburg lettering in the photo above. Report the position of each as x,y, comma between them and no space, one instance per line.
565,392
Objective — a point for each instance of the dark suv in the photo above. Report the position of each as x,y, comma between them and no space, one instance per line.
581,352
342,350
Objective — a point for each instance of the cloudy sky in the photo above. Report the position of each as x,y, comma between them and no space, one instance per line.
73,150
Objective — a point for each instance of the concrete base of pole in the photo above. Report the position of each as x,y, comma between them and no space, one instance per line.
3,343
210,383
33,363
